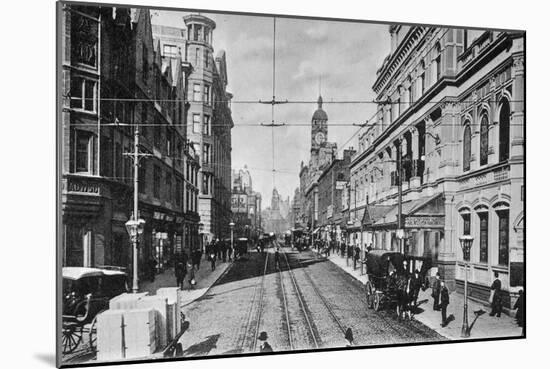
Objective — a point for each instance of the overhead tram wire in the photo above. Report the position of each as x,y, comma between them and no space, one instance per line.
331,101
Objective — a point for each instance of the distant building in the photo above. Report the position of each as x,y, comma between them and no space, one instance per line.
245,205
275,218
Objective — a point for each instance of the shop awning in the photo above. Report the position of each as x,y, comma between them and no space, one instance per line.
373,213
422,213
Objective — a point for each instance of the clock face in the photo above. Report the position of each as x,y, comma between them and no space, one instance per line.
320,138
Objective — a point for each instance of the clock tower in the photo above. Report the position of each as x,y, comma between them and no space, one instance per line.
319,127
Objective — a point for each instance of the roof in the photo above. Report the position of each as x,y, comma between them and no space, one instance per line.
320,114
81,272
430,206
375,212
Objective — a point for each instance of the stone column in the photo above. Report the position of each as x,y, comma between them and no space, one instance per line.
493,126
447,253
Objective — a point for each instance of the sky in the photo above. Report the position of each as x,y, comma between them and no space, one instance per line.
334,58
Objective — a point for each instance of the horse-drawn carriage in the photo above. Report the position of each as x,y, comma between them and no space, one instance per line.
387,276
86,293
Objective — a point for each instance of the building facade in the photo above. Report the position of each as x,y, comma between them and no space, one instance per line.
114,82
451,112
208,116
245,205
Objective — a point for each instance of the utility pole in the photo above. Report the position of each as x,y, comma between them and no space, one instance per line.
135,286
135,225
400,197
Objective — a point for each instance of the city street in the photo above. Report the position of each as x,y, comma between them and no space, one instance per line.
308,303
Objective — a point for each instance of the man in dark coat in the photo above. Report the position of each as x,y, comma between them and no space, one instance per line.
496,304
196,258
436,291
264,346
416,285
356,255
444,302
180,271
520,306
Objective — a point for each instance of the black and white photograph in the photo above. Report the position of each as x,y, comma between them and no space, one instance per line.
242,184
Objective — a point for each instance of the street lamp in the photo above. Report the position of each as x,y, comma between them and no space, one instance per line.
135,230
350,224
231,226
466,243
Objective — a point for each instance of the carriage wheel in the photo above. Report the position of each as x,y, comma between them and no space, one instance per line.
71,337
377,301
369,291
92,334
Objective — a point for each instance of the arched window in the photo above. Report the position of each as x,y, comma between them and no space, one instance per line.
437,61
504,131
467,148
484,140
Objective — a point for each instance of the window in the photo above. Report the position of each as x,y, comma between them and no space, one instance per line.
504,131
437,62
205,183
168,181
118,161
156,182
106,158
196,92
466,224
84,152
467,148
144,119
206,35
421,83
84,32
483,236
169,144
83,94
206,153
145,63
157,138
196,123
197,57
207,94
170,51
206,58
206,125
503,237
484,140
187,205
142,178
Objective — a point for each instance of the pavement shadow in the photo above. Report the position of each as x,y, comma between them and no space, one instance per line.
252,265
202,348
449,319
417,309
477,313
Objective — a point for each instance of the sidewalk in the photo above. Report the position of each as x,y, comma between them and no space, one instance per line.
205,278
485,326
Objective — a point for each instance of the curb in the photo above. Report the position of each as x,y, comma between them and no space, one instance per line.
212,285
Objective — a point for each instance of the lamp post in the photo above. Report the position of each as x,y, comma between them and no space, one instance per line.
232,226
466,243
135,227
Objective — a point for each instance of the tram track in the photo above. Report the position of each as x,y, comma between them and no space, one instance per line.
301,302
254,314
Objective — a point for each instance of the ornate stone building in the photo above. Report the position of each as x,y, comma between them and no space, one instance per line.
208,116
452,105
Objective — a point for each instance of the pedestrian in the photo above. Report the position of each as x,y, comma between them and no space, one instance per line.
519,306
212,258
218,249
356,256
416,285
277,256
349,337
180,271
192,280
444,303
224,251
152,265
436,291
496,297
196,258
264,345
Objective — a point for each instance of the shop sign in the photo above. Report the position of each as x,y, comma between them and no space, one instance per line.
329,211
169,218
158,215
83,187
424,221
